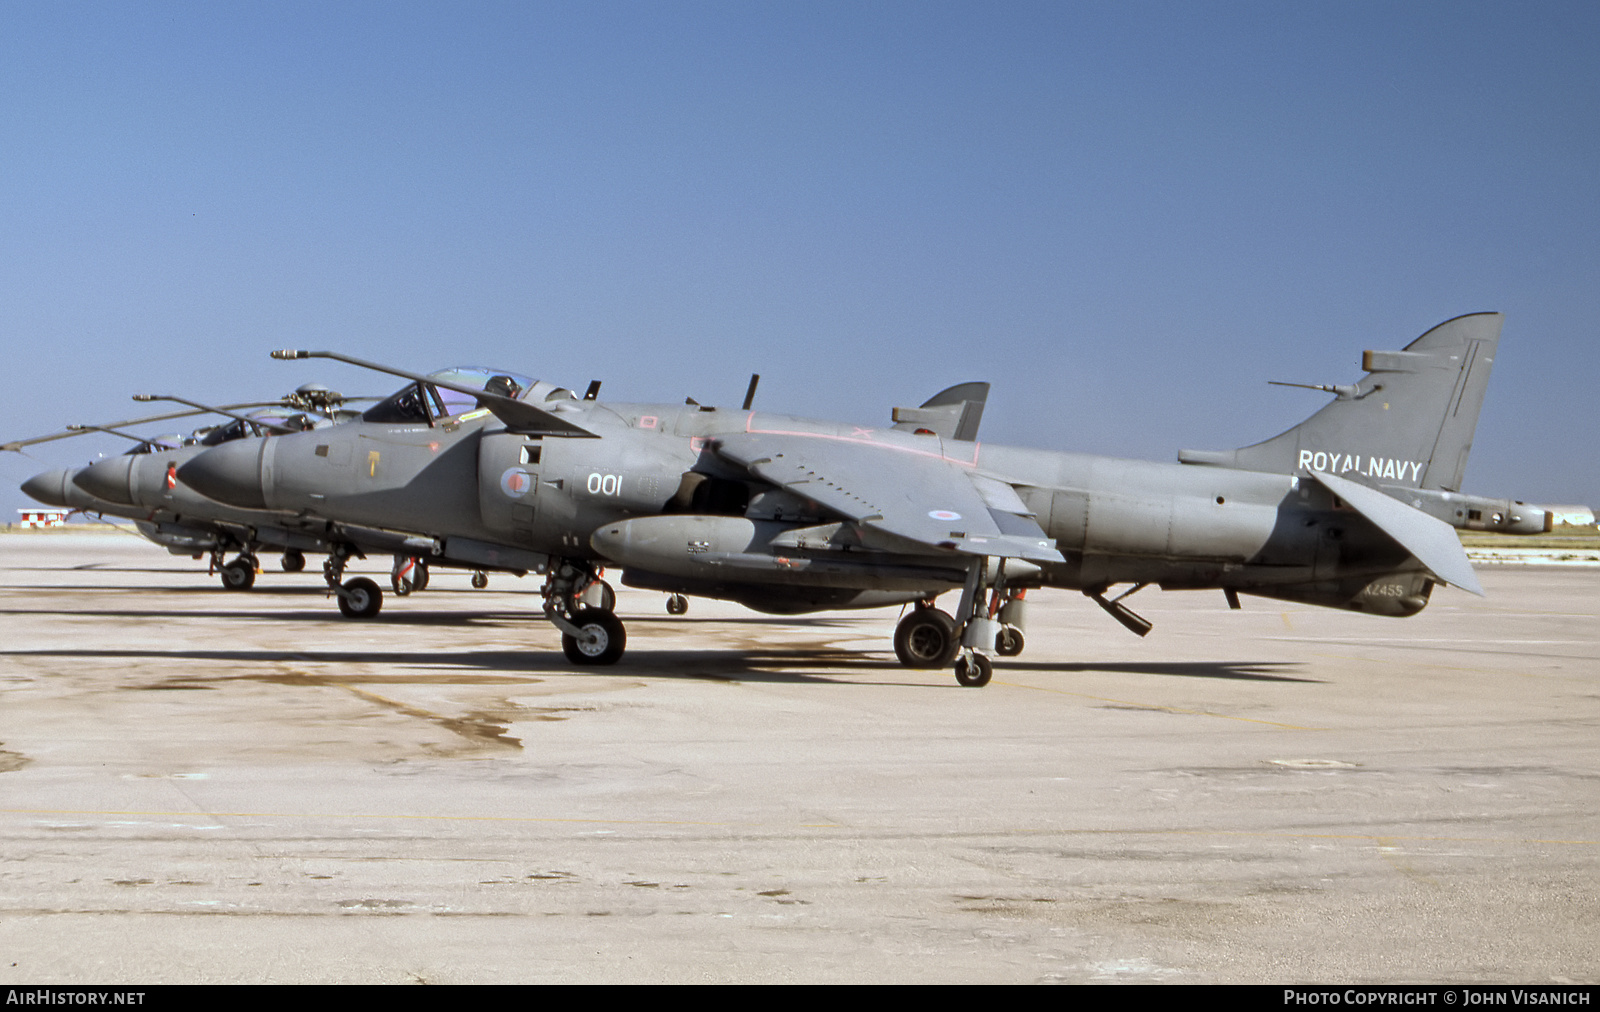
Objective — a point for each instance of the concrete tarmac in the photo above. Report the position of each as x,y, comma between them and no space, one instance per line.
211,786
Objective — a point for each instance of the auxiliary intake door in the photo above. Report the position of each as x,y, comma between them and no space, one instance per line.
508,483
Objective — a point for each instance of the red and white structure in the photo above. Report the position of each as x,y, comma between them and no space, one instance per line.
42,518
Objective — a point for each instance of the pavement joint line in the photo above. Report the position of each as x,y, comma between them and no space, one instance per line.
1165,709
1379,839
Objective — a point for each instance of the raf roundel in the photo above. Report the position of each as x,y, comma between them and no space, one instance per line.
944,514
516,482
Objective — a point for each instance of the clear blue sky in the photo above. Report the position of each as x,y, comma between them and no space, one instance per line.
1128,216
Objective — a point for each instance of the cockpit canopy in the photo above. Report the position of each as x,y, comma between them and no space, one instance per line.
258,423
158,444
425,403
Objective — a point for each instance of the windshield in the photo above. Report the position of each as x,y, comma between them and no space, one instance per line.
157,444
271,419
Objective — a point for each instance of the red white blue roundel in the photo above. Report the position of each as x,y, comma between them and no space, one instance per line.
944,514
516,482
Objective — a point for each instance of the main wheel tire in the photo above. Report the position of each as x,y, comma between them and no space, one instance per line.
974,671
294,560
603,641
1008,642
480,580
360,598
599,595
677,604
926,638
239,575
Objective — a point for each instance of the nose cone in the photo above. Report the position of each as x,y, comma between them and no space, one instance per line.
108,480
53,488
229,473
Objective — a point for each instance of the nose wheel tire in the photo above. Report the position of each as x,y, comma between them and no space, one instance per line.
974,671
360,598
602,641
240,574
599,595
926,638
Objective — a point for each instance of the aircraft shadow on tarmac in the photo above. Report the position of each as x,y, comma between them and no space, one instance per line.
796,665
397,615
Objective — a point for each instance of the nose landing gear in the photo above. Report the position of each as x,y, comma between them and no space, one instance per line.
359,598
582,605
240,574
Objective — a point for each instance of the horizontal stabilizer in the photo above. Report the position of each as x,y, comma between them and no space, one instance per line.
1433,542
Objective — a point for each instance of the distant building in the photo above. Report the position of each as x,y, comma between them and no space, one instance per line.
42,518
1572,516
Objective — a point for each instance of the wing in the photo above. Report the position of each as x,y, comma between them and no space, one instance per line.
911,494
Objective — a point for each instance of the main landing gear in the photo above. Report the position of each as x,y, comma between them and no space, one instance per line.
989,620
926,638
358,598
582,605
410,574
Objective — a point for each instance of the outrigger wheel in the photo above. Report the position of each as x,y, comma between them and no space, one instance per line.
480,580
294,560
1008,641
677,604
974,670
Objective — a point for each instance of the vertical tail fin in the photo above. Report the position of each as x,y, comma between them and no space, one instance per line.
1409,421
953,412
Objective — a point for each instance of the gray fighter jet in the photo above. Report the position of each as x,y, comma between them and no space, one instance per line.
1357,507
141,485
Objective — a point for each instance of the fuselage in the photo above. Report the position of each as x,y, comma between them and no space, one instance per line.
468,483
